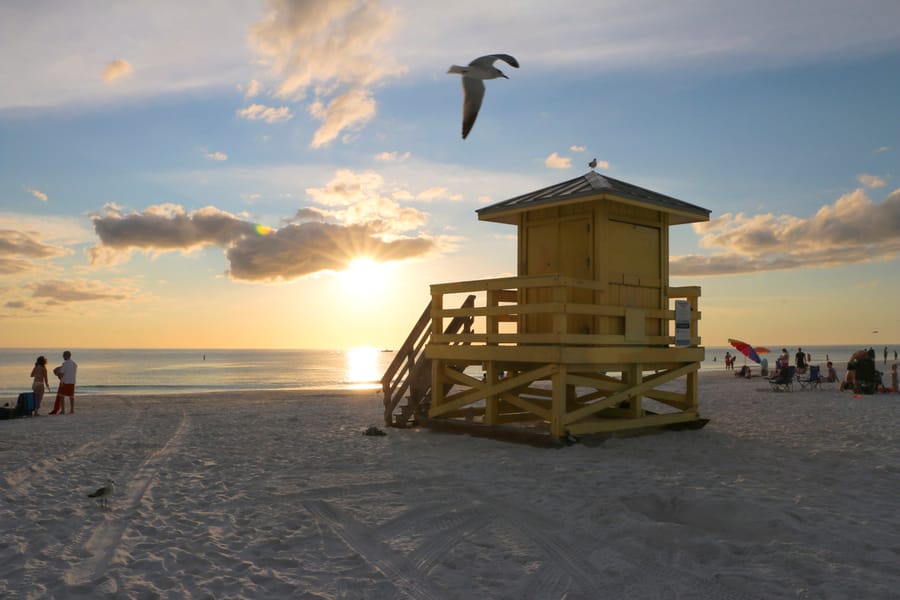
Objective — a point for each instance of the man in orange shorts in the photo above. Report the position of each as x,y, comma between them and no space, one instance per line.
66,373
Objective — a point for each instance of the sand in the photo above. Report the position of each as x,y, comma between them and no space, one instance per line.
277,495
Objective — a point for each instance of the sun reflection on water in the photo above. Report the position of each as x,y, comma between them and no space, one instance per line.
362,368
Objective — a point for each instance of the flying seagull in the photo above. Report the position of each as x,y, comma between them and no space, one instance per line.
473,85
104,492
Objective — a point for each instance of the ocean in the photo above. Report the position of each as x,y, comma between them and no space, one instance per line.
128,372
116,371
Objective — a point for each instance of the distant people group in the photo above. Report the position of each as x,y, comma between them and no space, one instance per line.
861,374
66,372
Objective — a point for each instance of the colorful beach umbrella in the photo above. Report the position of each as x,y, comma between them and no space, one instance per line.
745,349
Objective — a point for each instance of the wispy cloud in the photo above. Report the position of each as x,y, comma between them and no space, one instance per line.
871,181
67,291
392,156
333,49
574,148
20,249
253,89
36,193
852,230
261,112
217,156
555,161
116,70
882,149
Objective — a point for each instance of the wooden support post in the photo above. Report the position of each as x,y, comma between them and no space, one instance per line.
558,402
636,378
492,402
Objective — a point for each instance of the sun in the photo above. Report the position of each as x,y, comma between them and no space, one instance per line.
366,275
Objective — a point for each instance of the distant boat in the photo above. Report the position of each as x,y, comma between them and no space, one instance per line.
386,350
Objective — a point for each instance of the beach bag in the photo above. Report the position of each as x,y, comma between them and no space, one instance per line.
25,403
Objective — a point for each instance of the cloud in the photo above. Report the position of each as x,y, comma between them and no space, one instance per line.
332,49
302,249
68,291
347,111
871,181
36,193
116,70
261,112
20,249
356,218
253,89
162,228
577,148
882,149
355,198
555,161
218,156
438,193
852,230
392,156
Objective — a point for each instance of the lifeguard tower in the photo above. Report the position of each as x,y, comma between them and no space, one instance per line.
582,341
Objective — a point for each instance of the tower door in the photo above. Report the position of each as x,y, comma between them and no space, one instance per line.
635,269
559,247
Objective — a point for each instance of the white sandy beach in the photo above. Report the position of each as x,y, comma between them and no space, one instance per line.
278,495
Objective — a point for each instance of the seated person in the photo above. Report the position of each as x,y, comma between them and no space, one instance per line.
831,375
744,372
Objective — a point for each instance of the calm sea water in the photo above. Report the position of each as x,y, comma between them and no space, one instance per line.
110,371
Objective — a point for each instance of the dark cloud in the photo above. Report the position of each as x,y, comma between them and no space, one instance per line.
298,250
852,230
168,227
254,253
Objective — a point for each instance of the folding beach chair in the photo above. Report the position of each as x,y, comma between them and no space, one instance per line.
784,381
813,379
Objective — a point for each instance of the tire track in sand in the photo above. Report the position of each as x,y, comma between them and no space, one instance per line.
397,569
89,559
21,476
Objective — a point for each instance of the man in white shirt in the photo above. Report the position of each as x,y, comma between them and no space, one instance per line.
66,373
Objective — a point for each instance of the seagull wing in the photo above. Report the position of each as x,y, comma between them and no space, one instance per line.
488,60
99,493
473,93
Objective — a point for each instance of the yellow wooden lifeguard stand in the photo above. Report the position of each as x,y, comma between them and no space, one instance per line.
581,342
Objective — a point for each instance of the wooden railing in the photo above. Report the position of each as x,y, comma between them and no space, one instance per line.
499,317
409,374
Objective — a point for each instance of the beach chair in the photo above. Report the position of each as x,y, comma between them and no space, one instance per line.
784,381
812,381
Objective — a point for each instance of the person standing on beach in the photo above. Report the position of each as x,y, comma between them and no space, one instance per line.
40,383
800,360
66,373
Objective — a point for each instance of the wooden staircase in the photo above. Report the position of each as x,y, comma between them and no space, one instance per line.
409,374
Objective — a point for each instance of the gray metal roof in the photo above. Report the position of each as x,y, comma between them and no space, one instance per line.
594,184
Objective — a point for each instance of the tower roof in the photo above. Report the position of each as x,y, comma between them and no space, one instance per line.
592,186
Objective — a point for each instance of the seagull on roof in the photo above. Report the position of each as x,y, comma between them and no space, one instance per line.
103,493
593,163
473,85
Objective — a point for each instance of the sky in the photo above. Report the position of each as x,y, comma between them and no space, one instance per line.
279,174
